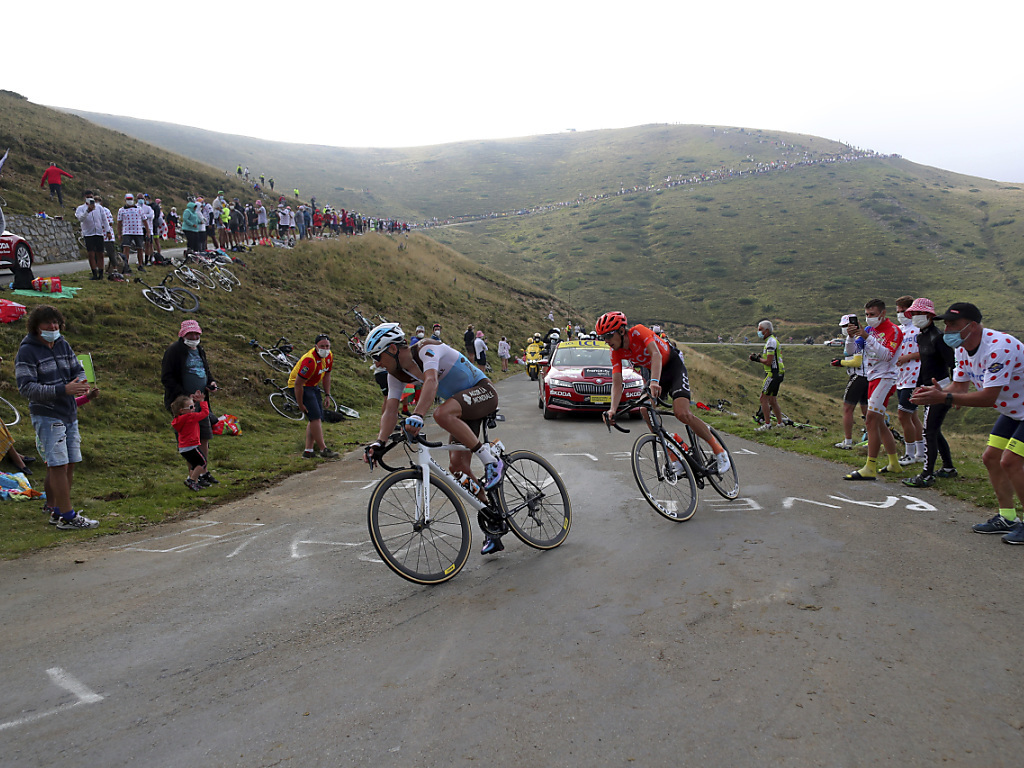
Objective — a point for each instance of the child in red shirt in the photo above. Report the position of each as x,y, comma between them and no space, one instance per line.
186,424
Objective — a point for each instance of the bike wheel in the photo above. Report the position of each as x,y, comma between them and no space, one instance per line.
276,362
8,413
204,279
157,299
230,276
187,277
356,347
221,281
423,552
727,485
286,406
535,500
184,300
673,496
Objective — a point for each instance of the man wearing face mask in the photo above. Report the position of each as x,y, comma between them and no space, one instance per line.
994,363
312,372
774,372
185,371
856,392
50,377
908,367
878,344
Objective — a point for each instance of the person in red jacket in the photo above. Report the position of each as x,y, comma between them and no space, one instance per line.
186,424
52,176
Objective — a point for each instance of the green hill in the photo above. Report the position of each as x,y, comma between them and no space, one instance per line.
800,245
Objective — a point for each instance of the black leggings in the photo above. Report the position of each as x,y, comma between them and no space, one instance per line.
934,415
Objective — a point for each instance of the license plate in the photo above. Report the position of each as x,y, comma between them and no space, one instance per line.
600,398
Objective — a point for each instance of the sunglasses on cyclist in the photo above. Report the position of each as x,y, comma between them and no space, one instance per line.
606,336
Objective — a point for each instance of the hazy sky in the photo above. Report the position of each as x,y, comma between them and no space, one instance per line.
937,82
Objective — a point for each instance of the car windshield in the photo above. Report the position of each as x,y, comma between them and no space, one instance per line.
579,357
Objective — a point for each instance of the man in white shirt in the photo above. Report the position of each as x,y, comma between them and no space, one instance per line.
94,227
150,216
132,228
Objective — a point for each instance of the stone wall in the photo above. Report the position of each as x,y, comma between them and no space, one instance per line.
51,240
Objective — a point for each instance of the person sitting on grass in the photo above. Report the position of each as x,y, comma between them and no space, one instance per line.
186,423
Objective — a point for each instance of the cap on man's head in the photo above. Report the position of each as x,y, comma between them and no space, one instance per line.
129,196
189,326
961,310
848,320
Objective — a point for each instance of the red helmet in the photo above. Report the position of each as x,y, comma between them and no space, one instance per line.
608,322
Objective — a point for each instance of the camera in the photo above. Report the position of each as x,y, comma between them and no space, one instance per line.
90,200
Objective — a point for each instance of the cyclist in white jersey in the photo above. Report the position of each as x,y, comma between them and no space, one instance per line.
469,398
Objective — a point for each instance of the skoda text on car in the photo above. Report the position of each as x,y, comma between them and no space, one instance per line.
579,378
13,249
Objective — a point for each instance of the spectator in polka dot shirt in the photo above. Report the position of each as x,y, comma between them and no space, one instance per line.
994,363
908,366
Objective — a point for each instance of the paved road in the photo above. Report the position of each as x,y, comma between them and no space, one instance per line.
73,267
811,622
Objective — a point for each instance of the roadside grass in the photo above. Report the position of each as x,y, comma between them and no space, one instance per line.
131,475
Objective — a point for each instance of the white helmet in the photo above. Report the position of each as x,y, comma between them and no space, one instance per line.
382,336
555,337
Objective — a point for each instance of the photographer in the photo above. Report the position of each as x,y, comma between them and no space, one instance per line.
857,386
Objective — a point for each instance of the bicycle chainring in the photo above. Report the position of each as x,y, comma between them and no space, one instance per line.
491,524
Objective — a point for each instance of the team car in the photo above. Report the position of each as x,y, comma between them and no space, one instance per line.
14,251
578,378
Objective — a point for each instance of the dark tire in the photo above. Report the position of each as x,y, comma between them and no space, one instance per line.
22,256
344,410
549,414
727,485
184,300
157,300
429,553
674,499
535,500
8,413
286,406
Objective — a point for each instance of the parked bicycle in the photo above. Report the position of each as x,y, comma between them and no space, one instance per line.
669,468
355,341
192,278
283,401
221,275
417,514
279,357
169,299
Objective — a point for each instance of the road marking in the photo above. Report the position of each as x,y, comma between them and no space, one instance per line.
252,538
195,538
75,687
743,452
296,554
749,504
590,456
787,503
620,455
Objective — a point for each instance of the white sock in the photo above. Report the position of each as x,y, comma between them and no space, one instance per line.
920,449
485,454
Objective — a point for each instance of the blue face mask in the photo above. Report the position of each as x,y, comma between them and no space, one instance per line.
952,339
760,335
50,336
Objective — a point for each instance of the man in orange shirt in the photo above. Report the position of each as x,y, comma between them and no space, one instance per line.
312,372
52,176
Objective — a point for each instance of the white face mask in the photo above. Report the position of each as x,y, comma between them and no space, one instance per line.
323,352
920,321
191,343
904,320
872,322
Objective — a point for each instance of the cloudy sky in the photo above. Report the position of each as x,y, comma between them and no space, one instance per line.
936,82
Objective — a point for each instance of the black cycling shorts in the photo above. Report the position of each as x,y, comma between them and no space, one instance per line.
771,384
856,390
674,379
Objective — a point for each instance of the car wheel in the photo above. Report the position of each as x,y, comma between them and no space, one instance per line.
549,414
23,256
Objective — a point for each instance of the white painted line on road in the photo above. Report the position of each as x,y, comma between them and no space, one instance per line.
749,504
620,455
743,452
195,540
296,554
590,456
69,684
787,503
252,538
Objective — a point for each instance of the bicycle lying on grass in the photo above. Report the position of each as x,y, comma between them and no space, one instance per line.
355,341
417,514
169,299
669,468
279,357
192,278
283,401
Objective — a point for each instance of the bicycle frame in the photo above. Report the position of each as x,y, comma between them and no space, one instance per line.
428,465
687,449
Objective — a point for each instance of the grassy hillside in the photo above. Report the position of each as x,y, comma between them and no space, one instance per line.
106,161
801,245
131,474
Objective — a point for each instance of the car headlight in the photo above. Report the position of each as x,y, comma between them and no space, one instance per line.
635,384
560,383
